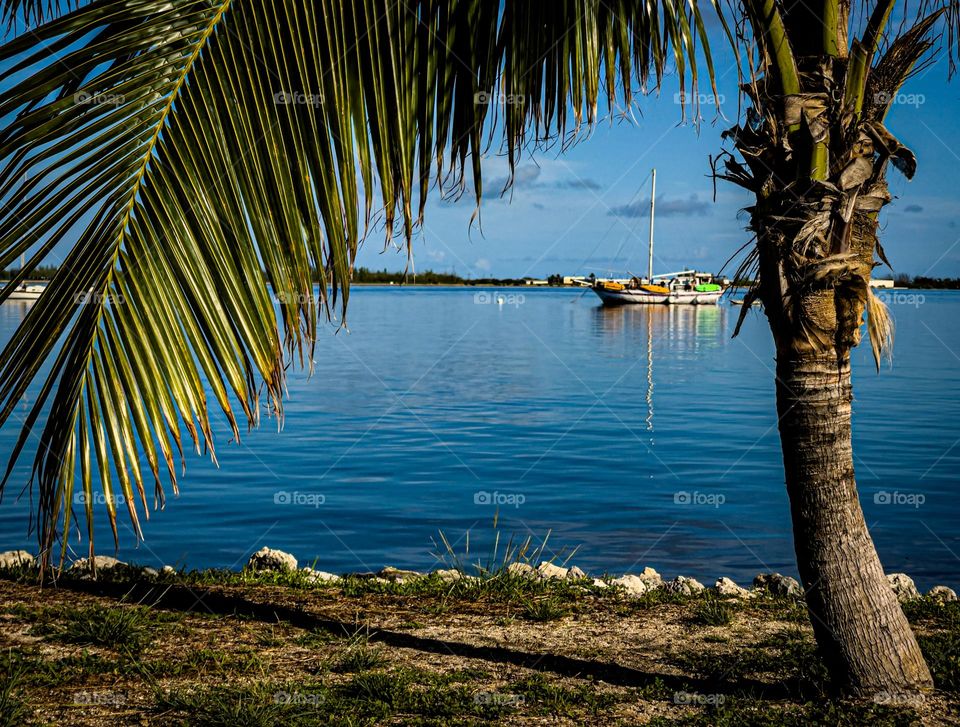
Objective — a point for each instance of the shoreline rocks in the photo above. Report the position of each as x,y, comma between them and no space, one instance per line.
726,587
271,560
684,586
777,584
15,559
942,594
319,576
97,564
903,586
634,585
549,571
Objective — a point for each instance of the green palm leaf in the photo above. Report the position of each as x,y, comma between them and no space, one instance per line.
204,154
31,12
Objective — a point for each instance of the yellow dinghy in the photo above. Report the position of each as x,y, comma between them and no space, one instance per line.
655,289
610,285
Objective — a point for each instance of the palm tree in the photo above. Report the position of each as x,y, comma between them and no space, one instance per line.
203,152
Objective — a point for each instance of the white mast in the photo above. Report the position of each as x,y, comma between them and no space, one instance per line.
653,202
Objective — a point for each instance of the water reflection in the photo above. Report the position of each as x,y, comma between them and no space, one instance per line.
678,328
12,313
683,327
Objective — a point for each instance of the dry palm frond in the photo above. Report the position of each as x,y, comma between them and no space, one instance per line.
880,328
896,65
828,271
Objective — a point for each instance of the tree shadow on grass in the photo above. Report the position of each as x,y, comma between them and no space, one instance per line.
186,599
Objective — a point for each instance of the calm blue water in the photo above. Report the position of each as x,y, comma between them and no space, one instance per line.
437,397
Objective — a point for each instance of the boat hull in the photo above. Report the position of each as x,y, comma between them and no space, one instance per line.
23,295
692,297
632,296
629,296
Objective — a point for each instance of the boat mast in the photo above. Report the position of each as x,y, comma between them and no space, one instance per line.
653,202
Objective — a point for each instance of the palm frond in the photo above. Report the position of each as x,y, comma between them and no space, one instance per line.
34,12
212,158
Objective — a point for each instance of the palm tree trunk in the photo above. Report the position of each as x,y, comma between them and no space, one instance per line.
863,634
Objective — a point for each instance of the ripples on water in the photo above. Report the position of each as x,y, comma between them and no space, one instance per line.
586,421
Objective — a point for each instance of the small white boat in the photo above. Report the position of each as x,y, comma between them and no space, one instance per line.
687,287
26,291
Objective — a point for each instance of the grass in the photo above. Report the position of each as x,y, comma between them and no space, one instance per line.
114,628
31,668
545,608
13,712
547,697
713,612
789,657
366,699
249,672
942,652
360,657
239,706
749,713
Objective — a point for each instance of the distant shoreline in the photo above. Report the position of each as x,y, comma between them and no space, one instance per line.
502,284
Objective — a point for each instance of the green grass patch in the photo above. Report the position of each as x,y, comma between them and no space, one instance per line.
778,608
36,671
932,613
541,695
713,611
545,608
13,711
360,657
942,652
121,629
243,706
789,657
750,713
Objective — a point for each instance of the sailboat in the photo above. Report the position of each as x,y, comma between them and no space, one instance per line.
686,287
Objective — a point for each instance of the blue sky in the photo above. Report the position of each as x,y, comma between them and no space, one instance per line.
563,217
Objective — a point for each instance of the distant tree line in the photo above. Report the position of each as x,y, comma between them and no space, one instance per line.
427,277
921,281
43,272
430,277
